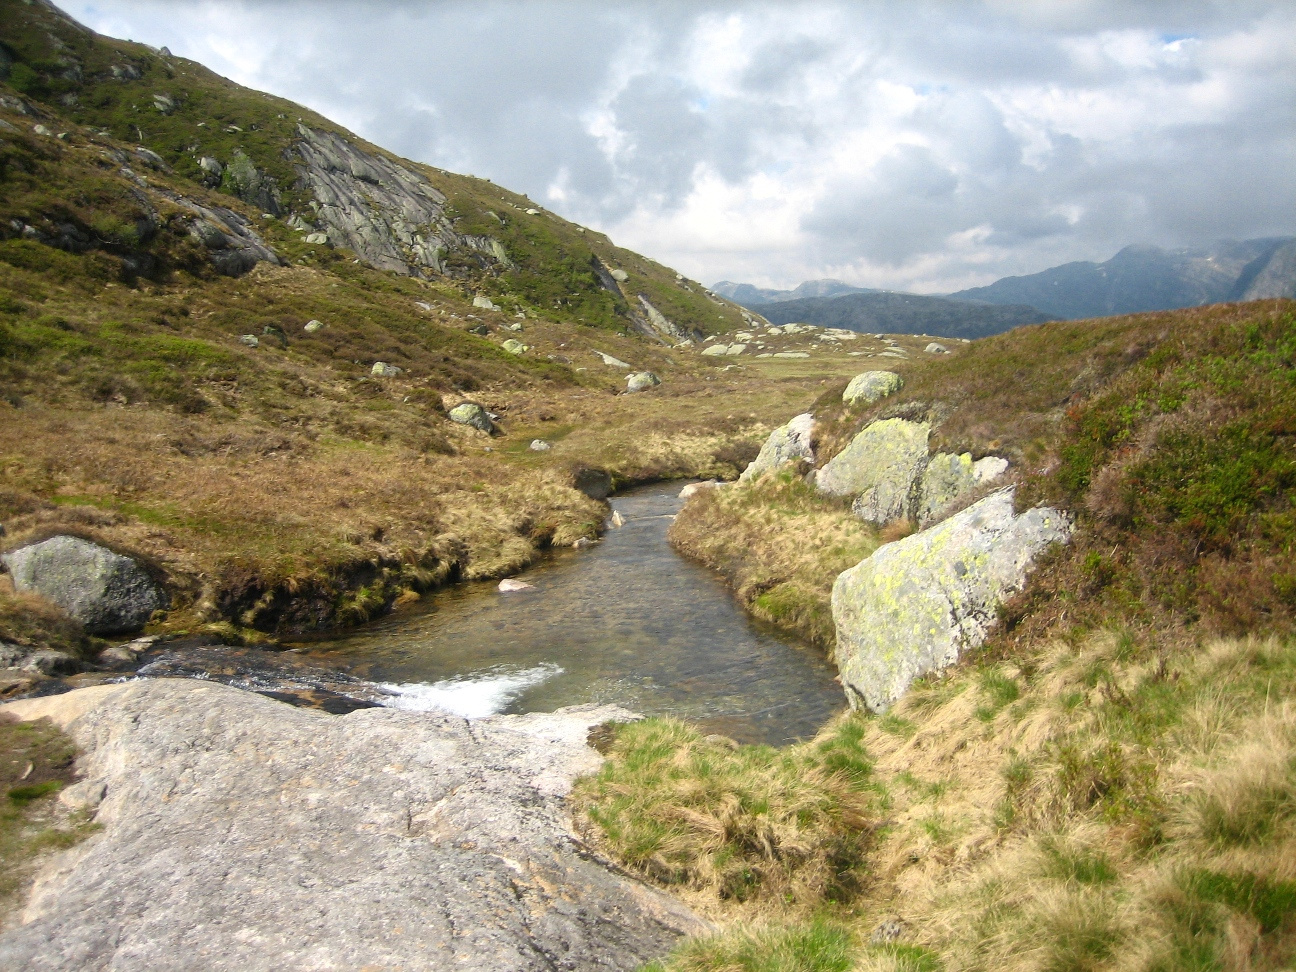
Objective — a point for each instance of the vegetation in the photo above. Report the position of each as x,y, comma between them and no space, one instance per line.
35,763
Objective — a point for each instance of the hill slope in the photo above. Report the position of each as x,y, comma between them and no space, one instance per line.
1147,278
894,313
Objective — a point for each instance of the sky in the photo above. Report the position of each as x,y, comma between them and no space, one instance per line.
923,146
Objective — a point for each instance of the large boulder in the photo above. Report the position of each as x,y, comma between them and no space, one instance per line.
472,414
880,467
915,605
949,476
867,388
641,381
785,444
106,592
236,832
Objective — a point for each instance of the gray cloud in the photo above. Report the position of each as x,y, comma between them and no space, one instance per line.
917,145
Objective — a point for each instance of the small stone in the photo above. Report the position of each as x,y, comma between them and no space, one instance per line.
936,348
539,445
616,520
251,340
641,381
313,326
509,586
381,369
582,543
42,131
515,327
887,932
533,212
791,354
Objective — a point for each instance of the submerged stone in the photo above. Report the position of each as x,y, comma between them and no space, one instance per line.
915,605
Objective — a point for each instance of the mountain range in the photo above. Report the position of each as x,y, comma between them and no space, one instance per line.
1138,278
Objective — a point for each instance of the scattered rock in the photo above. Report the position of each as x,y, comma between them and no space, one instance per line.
619,275
539,445
485,303
104,591
867,388
716,350
532,212
610,361
480,329
128,653
236,832
880,467
382,369
581,543
887,932
915,605
514,346
126,72
313,326
470,413
42,131
508,586
151,158
641,381
936,348
164,103
317,239
785,444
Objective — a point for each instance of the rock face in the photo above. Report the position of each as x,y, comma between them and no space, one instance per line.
915,605
655,324
393,218
470,413
880,467
867,388
785,444
106,592
241,833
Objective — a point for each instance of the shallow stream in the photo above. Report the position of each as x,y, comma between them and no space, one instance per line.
627,621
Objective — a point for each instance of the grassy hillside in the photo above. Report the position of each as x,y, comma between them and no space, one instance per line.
1110,783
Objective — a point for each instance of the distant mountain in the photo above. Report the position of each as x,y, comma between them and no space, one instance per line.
753,297
886,312
1147,278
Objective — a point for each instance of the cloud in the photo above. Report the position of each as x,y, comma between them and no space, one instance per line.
915,145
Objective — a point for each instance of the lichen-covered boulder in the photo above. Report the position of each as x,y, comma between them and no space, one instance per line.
915,605
106,592
949,476
514,346
470,413
880,467
641,381
785,444
867,388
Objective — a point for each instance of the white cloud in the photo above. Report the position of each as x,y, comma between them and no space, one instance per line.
917,145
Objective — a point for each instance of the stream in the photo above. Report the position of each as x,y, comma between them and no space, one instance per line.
626,621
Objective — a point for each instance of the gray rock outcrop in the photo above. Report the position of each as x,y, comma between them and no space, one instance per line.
106,592
654,324
237,832
915,605
233,246
881,468
392,217
470,413
243,179
787,443
867,388
949,476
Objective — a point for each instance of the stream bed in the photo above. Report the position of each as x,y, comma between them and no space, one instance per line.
626,621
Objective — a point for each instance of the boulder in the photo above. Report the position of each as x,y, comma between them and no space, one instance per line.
382,369
594,483
694,488
641,381
46,662
251,340
988,469
313,327
867,388
470,413
785,444
610,361
946,477
880,467
237,832
317,239
514,346
716,350
619,275
539,445
936,348
103,590
485,303
915,605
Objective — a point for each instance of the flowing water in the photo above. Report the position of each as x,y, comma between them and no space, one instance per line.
626,621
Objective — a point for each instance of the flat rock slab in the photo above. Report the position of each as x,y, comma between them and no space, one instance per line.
242,833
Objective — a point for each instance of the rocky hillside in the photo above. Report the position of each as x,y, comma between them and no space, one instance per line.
309,179
1148,278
